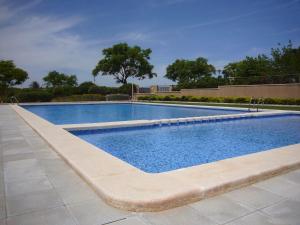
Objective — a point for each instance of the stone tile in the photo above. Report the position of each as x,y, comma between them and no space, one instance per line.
11,137
2,222
221,209
256,218
10,144
67,177
57,216
2,208
75,193
46,153
15,157
36,142
178,216
130,221
292,176
22,170
254,197
24,203
95,212
284,213
54,166
281,187
2,186
27,186
19,150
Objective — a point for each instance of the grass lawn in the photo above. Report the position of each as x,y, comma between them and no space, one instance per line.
276,107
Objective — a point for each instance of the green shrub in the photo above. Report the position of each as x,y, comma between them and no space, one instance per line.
203,99
84,87
103,90
127,89
194,99
228,100
117,97
271,101
165,98
84,97
213,99
34,96
63,91
142,98
288,101
242,100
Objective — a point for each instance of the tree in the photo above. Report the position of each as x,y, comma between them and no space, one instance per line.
188,73
251,70
123,61
286,59
127,89
56,79
34,85
84,87
10,75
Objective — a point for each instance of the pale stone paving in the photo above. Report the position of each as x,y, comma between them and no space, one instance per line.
38,188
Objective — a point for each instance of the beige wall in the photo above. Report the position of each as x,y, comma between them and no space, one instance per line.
264,90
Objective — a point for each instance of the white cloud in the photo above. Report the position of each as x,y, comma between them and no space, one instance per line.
40,44
43,43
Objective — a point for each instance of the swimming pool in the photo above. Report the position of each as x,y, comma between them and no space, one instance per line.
109,112
156,149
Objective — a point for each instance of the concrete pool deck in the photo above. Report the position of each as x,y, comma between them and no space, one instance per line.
37,187
126,187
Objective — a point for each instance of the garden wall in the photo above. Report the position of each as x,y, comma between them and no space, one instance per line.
257,91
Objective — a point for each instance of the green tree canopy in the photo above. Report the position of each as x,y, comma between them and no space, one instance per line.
286,59
56,79
84,87
123,61
283,66
187,73
10,75
34,85
249,67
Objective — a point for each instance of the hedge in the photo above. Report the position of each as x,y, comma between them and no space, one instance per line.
117,97
34,96
277,101
84,97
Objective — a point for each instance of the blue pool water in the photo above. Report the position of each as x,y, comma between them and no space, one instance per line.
157,149
92,113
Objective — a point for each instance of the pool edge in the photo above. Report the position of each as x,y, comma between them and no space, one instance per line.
139,191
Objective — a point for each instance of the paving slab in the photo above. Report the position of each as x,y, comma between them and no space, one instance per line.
130,221
22,170
221,209
284,213
37,185
75,193
256,218
282,187
178,216
254,197
65,177
2,207
96,212
19,156
27,186
56,216
24,203
293,176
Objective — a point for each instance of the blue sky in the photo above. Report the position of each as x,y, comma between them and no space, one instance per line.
68,35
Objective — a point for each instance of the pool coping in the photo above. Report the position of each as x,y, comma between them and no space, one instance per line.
124,186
